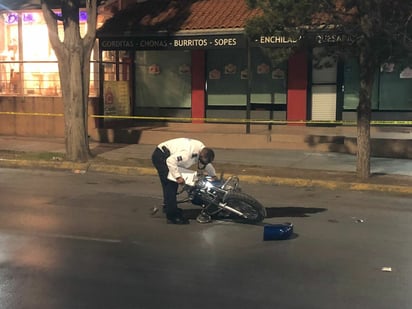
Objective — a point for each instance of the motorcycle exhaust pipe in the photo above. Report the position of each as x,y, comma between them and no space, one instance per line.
225,207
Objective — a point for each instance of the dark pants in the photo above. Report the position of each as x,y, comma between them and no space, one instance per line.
169,187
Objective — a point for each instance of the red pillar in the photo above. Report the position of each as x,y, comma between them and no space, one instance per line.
198,85
297,87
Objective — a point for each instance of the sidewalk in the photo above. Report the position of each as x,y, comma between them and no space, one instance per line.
386,141
290,167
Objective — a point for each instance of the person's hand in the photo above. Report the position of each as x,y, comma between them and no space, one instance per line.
180,180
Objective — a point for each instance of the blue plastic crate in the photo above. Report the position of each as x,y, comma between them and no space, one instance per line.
277,231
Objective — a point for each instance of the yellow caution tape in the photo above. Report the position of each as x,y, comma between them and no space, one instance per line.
224,120
31,114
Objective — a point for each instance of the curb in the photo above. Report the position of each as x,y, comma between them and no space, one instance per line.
122,170
82,168
60,165
332,185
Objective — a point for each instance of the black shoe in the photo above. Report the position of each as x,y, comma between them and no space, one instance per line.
178,220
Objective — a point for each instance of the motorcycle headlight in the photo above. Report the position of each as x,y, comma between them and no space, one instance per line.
201,183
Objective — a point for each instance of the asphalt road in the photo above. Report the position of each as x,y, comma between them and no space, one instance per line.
87,241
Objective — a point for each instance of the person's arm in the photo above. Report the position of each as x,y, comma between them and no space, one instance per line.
210,170
173,163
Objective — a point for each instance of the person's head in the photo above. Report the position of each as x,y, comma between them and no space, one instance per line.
206,156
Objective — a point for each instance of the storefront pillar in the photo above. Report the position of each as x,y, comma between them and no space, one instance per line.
198,86
297,88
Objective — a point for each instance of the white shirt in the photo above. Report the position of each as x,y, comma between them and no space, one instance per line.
184,152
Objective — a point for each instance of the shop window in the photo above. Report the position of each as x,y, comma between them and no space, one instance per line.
40,67
395,87
227,77
391,91
324,83
324,67
9,57
268,84
116,84
351,75
31,69
163,79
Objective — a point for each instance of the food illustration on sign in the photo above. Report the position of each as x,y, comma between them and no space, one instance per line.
154,69
278,74
406,73
230,68
263,68
244,74
214,74
184,69
387,67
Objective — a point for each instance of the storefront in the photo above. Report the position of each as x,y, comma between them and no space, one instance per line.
30,94
200,76
218,77
197,72
204,71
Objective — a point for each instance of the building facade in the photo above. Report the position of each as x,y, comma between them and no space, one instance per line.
188,61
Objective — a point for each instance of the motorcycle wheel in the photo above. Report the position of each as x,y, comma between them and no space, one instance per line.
254,211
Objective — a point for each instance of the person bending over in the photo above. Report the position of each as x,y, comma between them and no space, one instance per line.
167,157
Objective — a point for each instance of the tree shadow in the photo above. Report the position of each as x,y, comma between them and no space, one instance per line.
119,135
123,132
335,143
380,147
299,212
103,148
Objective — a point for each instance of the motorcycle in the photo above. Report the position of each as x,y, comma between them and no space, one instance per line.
221,199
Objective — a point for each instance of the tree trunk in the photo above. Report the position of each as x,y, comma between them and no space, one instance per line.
73,55
363,141
75,108
367,73
72,60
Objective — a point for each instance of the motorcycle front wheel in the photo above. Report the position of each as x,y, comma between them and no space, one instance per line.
253,211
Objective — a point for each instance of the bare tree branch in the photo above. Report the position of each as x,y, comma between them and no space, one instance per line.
90,36
51,19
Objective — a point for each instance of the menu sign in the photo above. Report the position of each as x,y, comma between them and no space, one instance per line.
321,37
116,98
271,40
175,42
334,38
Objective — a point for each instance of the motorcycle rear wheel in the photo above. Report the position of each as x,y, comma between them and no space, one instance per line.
253,210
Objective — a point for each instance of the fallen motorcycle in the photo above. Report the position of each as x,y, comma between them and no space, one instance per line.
222,199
